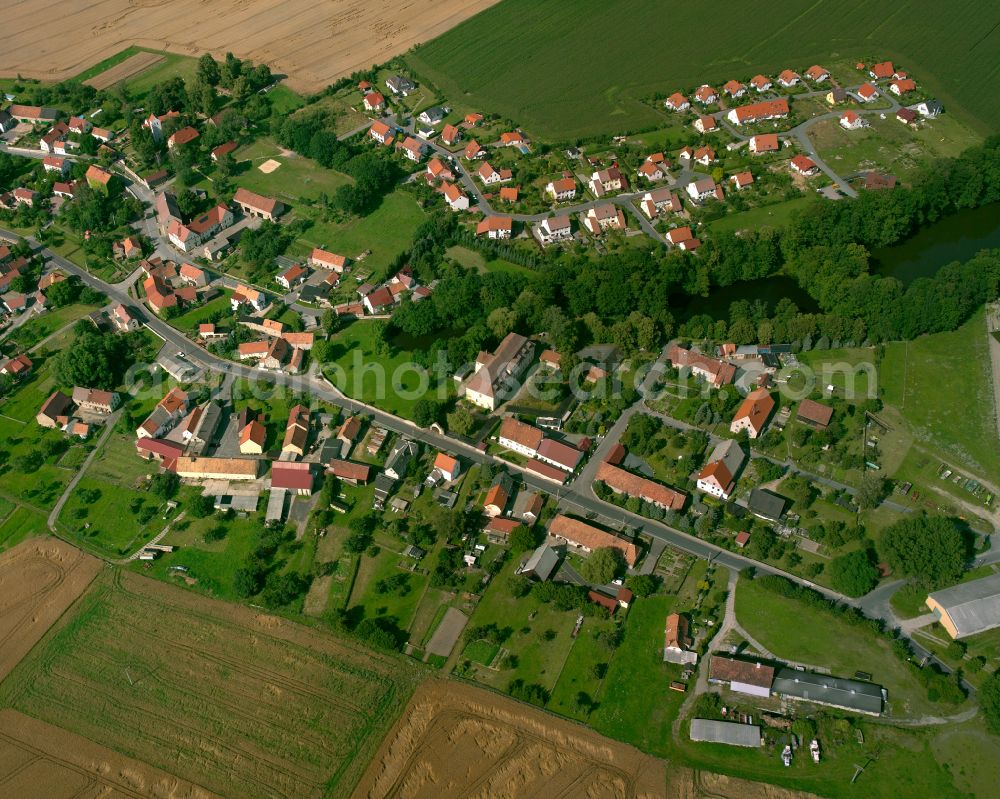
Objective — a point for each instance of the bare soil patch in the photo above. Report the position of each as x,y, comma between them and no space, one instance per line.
39,761
132,65
447,632
39,580
455,740
269,166
313,43
319,594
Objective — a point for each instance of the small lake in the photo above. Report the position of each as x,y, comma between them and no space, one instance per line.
954,238
766,289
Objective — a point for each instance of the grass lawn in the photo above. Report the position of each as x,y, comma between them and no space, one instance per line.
189,320
636,704
385,381
108,524
22,523
958,421
579,673
474,260
41,327
283,100
527,620
888,144
793,631
775,215
852,371
211,564
387,231
908,601
173,65
297,178
399,604
480,651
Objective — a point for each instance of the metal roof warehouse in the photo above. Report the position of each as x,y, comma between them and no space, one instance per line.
862,697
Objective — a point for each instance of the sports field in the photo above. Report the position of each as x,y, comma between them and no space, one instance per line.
241,703
582,70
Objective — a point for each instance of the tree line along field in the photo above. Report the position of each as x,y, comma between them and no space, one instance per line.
241,703
566,72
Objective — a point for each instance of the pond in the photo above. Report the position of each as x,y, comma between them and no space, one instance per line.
954,238
767,289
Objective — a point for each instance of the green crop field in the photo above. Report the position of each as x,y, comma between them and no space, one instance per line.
241,704
583,70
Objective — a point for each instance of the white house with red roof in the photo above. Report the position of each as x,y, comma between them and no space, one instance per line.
788,79
374,101
867,93
804,165
490,176
734,88
455,197
718,477
607,216
677,102
412,149
742,180
706,95
555,228
562,189
322,259
650,171
292,277
380,132
760,83
850,120
901,87
706,124
817,74
705,155
496,227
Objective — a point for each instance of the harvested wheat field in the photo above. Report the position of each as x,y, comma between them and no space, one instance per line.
241,703
132,65
455,740
39,761
313,43
39,580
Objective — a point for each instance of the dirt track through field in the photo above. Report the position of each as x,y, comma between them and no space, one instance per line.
39,580
313,43
132,65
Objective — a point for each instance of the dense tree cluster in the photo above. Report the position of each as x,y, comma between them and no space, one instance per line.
933,549
95,359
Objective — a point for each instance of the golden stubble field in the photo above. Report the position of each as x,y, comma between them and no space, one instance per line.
458,741
312,42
